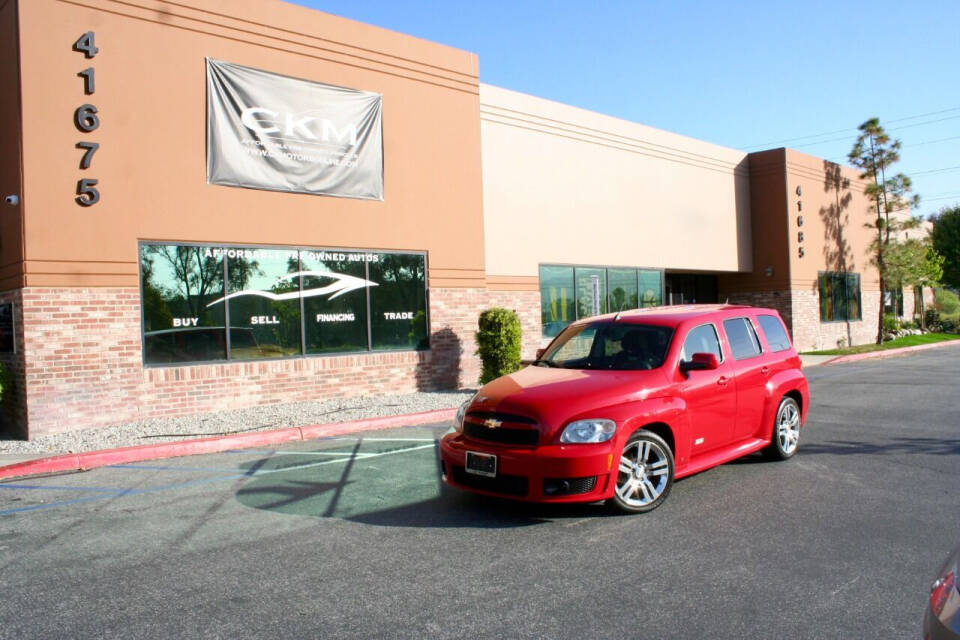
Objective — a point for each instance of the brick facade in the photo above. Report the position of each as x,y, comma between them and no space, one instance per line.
800,310
80,363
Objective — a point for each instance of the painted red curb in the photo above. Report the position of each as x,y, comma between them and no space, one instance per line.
217,444
890,352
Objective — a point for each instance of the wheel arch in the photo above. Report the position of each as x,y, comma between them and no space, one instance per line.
663,430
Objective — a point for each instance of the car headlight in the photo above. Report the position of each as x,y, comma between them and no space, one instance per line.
592,430
461,412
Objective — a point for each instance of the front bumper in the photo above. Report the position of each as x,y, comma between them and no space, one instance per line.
548,473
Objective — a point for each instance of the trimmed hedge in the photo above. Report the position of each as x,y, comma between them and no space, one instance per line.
498,343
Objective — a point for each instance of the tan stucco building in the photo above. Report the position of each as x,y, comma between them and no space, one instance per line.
126,308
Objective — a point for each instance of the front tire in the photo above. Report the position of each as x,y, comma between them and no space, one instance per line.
645,474
786,430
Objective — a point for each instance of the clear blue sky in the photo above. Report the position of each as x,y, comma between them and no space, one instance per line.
748,75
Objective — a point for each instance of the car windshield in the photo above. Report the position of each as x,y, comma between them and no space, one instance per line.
609,345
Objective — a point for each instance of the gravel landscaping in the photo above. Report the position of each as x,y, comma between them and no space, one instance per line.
235,421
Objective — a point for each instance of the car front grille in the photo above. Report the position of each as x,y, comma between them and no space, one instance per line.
507,428
505,484
500,434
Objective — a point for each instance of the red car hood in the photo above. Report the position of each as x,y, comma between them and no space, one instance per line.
553,396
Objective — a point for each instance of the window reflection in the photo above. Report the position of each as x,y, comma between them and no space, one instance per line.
398,304
336,320
556,299
178,285
264,297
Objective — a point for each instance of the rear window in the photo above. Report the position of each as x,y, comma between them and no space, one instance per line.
743,339
774,332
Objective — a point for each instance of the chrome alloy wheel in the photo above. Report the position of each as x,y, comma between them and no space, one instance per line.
644,473
788,426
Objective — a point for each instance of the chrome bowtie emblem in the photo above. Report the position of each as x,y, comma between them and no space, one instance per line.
493,424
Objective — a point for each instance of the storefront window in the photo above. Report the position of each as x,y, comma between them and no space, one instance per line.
263,291
178,285
556,299
586,276
566,293
335,316
622,284
651,288
278,302
398,304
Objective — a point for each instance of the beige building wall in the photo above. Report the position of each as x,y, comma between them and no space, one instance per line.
565,185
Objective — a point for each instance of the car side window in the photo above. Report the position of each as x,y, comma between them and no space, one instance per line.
742,337
702,339
774,332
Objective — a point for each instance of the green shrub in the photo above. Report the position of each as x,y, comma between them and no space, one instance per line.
932,319
890,323
498,343
909,324
946,302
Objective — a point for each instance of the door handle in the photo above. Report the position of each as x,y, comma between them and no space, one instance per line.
764,370
722,381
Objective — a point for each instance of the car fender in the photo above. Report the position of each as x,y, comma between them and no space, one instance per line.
779,385
667,410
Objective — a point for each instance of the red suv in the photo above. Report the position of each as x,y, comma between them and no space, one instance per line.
619,406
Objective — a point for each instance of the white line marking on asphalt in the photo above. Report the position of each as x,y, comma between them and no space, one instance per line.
339,460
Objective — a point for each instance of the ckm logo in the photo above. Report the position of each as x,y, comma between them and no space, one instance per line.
303,125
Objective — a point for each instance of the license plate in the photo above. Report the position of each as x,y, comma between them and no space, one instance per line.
482,464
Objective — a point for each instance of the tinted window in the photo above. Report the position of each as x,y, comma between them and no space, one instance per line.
702,339
610,346
774,332
622,284
556,299
743,340
179,323
263,291
334,301
398,304
839,296
585,279
651,289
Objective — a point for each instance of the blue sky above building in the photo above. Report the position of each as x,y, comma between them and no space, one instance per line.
750,75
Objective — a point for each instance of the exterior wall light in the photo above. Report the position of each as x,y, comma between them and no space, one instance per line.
12,200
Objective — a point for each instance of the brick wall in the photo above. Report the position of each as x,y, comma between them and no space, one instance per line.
81,363
779,300
809,334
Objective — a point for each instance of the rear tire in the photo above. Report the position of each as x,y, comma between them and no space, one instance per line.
645,474
786,430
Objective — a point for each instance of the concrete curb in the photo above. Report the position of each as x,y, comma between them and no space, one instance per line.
887,353
106,457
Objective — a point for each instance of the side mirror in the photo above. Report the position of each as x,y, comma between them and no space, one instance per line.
699,362
540,353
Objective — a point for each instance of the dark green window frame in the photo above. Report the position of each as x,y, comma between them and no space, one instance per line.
840,296
560,295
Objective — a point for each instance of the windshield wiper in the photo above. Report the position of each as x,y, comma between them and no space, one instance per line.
549,363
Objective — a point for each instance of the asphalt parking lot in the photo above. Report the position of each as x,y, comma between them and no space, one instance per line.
353,537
